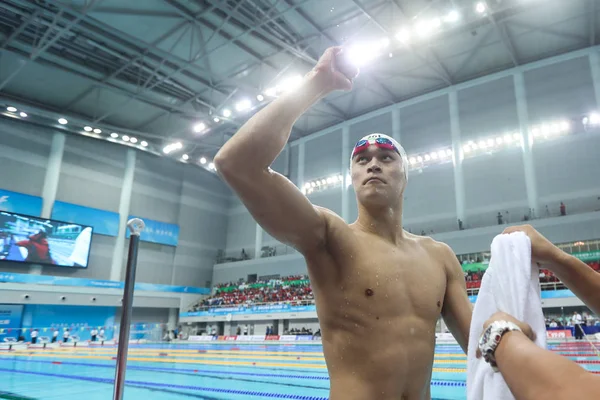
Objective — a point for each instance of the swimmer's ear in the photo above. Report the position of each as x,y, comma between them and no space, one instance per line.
478,353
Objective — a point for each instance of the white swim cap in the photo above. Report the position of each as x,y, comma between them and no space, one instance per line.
383,141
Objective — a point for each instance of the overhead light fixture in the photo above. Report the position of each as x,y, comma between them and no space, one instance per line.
555,128
419,159
185,157
87,128
62,121
133,140
426,157
125,138
467,148
499,140
144,143
482,144
517,136
199,127
434,155
412,160
290,83
98,131
452,16
449,152
227,113
490,142
243,105
594,119
508,138
211,166
480,7
202,160
114,135
565,126
172,147
384,42
23,115
361,54
216,119
11,109
442,153
260,97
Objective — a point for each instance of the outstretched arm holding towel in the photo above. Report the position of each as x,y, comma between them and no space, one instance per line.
534,373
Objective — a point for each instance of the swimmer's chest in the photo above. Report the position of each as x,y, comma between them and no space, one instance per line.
376,274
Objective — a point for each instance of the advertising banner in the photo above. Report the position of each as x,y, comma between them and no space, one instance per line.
266,309
10,319
103,222
304,338
272,337
559,334
287,338
20,203
158,232
201,338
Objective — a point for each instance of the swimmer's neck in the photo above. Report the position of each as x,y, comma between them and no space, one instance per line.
383,222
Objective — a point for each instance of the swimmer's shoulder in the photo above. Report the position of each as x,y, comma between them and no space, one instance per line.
431,245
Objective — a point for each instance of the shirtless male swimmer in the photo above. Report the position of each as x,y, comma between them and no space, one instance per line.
379,290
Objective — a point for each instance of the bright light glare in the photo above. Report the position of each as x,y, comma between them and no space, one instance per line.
271,92
361,54
517,136
419,159
507,138
448,152
427,157
412,160
87,128
133,140
565,126
243,105
202,160
260,97
11,109
307,185
436,23
98,131
545,129
555,128
499,140
480,7
199,127
452,16
490,142
211,166
227,113
23,115
442,153
185,157
434,155
384,42
216,119
144,143
62,121
594,119
482,144
114,135
403,35
125,138
467,148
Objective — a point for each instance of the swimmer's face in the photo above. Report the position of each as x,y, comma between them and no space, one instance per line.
378,175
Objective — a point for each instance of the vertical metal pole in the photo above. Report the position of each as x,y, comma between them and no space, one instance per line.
136,226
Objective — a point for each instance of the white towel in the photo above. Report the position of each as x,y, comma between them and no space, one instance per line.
511,285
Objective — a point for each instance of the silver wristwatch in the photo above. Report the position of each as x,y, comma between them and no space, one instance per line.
490,339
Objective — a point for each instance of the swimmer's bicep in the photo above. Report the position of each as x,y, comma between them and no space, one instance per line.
281,209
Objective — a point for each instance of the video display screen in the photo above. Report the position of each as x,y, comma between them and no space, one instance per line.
35,240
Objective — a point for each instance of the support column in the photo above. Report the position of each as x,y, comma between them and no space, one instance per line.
280,327
124,202
457,158
301,155
595,68
345,166
51,179
526,143
172,321
258,237
396,124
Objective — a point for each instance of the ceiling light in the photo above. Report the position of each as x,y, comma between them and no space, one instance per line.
307,185
490,142
452,16
260,97
545,129
384,42
565,126
290,83
11,109
62,121
133,140
313,184
125,138
185,157
211,166
594,118
419,159
271,92
585,120
87,128
423,28
144,143
412,160
199,127
436,23
427,157
403,36
329,180
97,131
23,115
467,148
482,144
480,7
508,138
216,119
555,128
323,181
114,135
243,105
227,113
499,140
434,155
442,153
449,152
517,136
202,160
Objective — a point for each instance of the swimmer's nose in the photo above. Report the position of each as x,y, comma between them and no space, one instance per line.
373,167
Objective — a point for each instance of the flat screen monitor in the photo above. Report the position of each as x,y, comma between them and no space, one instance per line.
34,240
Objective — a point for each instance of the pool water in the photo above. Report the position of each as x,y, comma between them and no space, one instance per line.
210,371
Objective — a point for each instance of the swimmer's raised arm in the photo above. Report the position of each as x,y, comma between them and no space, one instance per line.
574,273
457,310
244,161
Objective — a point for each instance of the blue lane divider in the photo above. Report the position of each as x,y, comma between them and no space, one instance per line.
168,385
216,372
